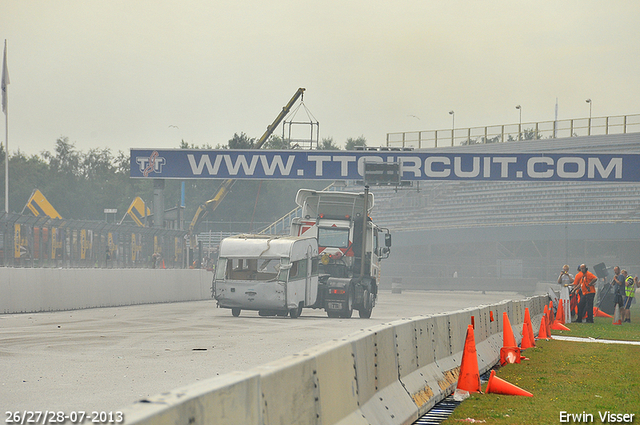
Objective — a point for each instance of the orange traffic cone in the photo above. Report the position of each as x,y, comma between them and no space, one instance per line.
526,337
469,378
527,321
500,386
542,333
560,313
508,340
617,320
163,266
557,326
547,321
599,313
510,355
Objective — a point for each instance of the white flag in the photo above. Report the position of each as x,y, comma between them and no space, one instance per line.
5,79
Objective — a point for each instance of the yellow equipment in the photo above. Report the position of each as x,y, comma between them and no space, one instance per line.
137,211
39,206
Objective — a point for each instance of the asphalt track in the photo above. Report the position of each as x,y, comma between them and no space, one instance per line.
108,358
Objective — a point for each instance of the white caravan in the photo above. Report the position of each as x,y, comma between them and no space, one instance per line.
275,275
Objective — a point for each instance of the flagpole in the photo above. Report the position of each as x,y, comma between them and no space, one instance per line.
6,161
5,109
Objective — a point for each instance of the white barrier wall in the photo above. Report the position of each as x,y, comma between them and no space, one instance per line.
32,290
388,374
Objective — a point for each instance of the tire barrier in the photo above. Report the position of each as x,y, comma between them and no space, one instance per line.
387,374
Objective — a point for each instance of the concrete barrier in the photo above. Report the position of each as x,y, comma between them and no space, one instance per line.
391,404
230,399
338,395
34,290
388,374
292,381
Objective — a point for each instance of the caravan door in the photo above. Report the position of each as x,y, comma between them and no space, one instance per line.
311,287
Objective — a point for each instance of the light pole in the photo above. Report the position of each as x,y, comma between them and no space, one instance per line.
589,102
519,108
453,124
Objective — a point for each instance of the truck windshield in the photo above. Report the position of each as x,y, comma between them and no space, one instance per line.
335,237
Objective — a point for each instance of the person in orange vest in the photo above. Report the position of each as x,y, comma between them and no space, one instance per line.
585,282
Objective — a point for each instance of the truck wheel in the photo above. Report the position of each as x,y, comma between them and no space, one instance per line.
348,308
365,312
235,311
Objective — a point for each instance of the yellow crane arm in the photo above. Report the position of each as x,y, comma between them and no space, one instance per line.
211,205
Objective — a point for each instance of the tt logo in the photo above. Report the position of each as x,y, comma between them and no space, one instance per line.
153,163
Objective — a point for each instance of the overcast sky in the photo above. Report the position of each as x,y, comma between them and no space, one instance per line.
148,74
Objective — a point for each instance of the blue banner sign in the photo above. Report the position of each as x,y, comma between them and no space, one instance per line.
349,165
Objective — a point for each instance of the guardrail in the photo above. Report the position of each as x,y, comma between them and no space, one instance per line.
620,124
388,374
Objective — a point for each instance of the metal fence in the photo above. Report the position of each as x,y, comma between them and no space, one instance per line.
621,124
28,241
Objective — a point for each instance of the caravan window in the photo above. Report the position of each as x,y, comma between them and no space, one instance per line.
292,271
247,268
221,268
298,269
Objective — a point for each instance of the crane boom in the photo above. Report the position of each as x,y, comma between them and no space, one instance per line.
279,118
211,205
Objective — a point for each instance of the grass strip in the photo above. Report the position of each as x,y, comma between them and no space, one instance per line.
579,378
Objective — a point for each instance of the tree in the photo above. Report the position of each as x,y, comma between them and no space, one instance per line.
353,143
25,174
185,145
328,145
241,141
66,160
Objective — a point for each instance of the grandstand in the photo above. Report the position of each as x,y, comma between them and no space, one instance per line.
458,204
